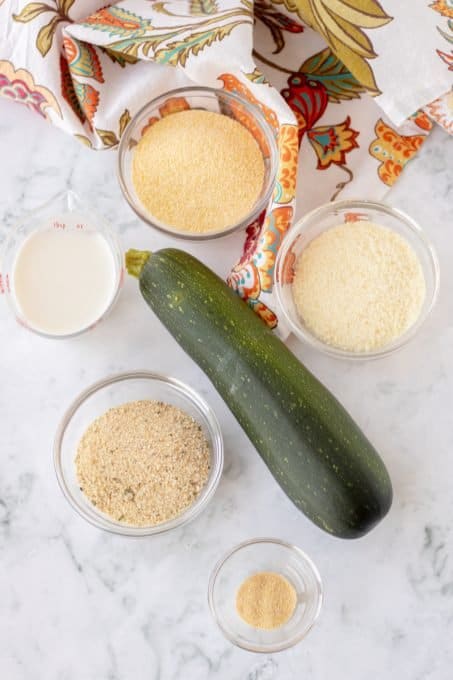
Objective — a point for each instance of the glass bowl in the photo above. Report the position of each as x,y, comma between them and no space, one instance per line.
116,390
332,214
265,554
208,99
64,211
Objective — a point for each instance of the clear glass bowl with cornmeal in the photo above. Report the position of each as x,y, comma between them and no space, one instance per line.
198,163
265,595
369,321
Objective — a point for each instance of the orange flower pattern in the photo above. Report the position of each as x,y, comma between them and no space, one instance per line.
393,151
288,146
172,105
333,142
67,90
83,59
308,94
352,217
82,98
88,98
232,84
274,228
240,113
267,315
245,280
444,7
117,21
441,110
307,98
255,276
288,269
422,121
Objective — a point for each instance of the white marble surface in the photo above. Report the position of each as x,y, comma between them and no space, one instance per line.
78,604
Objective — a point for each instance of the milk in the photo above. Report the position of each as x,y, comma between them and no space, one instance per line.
63,280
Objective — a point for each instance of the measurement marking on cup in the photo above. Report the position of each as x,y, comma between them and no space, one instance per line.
4,284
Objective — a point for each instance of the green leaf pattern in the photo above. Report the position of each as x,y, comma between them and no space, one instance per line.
46,34
173,45
108,138
31,11
256,76
124,121
179,51
200,7
65,5
325,68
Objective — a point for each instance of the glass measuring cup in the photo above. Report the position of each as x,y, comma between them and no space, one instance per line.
65,212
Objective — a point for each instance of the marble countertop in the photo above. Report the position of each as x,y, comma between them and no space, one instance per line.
79,604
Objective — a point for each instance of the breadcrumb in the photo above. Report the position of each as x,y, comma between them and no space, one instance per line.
143,463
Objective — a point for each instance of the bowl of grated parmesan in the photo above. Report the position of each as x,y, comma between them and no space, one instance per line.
356,279
198,163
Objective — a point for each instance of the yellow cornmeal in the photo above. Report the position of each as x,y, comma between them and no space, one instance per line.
266,600
358,286
198,171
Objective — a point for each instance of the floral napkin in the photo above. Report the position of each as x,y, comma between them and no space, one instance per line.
350,87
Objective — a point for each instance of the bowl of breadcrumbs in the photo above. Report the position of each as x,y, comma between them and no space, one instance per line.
138,454
198,163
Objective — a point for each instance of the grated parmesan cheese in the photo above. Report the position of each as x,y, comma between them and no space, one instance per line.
198,171
358,286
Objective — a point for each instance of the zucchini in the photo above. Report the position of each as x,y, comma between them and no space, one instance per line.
313,448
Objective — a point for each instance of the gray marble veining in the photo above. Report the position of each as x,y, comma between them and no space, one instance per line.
77,604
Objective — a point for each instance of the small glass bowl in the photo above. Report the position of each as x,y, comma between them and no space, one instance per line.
248,558
330,215
208,99
116,390
64,211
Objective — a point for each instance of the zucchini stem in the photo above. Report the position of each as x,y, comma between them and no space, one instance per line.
136,260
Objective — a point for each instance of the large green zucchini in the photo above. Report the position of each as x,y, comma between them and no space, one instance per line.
311,445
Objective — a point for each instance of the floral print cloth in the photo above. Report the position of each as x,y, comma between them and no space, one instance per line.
347,108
